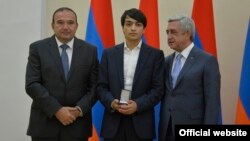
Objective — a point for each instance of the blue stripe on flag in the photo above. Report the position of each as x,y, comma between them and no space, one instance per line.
245,76
92,35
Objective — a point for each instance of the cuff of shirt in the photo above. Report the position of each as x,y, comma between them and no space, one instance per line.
80,110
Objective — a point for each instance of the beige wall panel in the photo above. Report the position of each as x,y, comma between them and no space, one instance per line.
81,7
231,21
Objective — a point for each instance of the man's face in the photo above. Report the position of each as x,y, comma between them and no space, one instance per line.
177,39
132,29
64,25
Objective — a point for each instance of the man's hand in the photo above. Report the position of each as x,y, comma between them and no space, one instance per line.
128,109
115,104
67,115
75,112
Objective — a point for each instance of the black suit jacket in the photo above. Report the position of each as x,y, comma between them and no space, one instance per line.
46,85
148,89
196,96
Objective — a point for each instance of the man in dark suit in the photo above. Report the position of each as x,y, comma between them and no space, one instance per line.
132,70
192,95
62,92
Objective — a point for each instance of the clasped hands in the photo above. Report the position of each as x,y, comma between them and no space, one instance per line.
126,109
67,115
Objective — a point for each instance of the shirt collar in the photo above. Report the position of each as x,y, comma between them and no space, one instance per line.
137,47
70,43
186,51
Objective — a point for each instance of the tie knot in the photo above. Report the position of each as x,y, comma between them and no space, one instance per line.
178,57
64,46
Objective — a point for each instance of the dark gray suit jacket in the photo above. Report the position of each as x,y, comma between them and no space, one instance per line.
147,91
196,97
46,85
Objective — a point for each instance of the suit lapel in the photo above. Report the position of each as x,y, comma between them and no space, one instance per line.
169,68
144,52
54,51
118,57
188,64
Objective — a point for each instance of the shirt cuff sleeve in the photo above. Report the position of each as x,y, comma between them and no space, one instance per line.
80,110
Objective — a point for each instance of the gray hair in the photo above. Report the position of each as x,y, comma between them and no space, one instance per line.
187,24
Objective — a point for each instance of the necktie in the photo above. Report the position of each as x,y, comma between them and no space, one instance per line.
65,60
176,69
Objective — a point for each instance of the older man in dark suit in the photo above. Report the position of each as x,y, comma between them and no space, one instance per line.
61,77
192,81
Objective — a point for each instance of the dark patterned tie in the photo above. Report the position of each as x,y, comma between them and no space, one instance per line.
176,69
65,60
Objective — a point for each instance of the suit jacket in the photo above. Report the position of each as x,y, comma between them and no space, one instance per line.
148,88
196,97
49,90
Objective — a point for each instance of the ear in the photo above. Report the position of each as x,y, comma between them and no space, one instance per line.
123,29
52,25
77,25
144,30
188,34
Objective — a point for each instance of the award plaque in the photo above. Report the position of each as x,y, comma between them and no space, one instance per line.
125,96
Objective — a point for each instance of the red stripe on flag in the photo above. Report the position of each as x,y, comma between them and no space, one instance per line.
103,20
150,9
102,11
204,22
151,35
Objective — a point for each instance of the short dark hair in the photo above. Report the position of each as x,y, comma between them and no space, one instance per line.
62,9
136,14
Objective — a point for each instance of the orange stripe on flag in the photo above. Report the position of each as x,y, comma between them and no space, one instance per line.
94,135
241,117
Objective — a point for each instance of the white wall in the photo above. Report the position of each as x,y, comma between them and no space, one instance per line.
20,25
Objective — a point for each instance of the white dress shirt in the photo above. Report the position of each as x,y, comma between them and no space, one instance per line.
68,50
130,61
